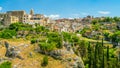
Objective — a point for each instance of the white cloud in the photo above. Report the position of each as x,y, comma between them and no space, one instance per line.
84,13
53,16
70,18
76,15
0,8
104,12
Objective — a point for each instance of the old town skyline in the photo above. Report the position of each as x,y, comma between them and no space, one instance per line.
64,9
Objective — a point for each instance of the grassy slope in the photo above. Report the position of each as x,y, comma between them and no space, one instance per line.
29,62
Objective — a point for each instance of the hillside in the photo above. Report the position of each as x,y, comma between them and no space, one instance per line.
28,62
36,46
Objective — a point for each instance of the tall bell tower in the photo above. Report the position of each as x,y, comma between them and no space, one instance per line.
31,12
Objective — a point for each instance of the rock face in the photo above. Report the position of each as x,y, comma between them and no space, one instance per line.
72,60
12,52
67,55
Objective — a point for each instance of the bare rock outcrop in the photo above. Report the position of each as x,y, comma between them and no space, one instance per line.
12,52
67,55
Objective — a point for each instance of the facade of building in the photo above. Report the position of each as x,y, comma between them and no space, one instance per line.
21,16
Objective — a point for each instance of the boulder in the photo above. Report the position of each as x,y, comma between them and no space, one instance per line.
12,52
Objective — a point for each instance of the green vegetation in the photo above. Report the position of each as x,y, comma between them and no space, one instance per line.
5,65
45,61
54,37
33,41
46,47
7,34
100,56
96,45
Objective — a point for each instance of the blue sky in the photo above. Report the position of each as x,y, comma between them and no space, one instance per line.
64,8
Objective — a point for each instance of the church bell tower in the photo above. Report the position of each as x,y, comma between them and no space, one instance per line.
31,12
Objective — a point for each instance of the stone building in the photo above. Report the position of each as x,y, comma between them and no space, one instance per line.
10,19
17,14
21,16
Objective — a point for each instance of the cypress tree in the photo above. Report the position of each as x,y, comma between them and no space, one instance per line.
119,57
103,60
89,55
107,57
101,54
107,53
102,43
95,56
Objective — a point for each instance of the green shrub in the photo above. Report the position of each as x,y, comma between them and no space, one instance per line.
33,41
5,65
7,34
55,37
20,26
39,29
45,61
45,47
66,36
14,26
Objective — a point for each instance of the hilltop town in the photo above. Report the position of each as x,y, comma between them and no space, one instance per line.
21,16
36,41
64,24
67,25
